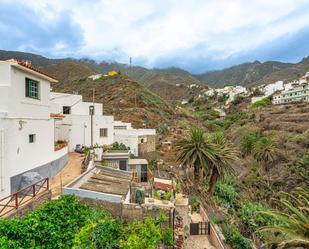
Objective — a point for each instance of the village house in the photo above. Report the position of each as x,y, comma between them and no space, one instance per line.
142,142
76,127
297,94
27,126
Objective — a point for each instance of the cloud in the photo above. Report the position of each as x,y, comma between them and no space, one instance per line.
195,34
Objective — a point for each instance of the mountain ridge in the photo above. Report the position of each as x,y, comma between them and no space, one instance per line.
245,74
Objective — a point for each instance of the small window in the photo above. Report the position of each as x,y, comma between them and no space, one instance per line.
32,88
103,132
31,138
66,109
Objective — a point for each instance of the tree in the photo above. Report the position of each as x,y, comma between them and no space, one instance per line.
195,150
291,229
265,150
225,153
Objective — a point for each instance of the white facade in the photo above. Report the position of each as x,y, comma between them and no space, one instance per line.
75,102
131,137
75,128
272,88
23,117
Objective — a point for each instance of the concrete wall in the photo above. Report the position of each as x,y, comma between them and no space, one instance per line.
76,129
49,169
78,107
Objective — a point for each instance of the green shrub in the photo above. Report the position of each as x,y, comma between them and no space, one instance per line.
248,142
53,225
262,102
167,237
119,146
168,196
195,204
235,239
225,193
251,215
141,235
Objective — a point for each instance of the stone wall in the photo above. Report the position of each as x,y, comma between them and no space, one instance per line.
115,209
30,206
147,145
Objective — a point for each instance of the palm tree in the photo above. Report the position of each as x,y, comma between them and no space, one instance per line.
265,150
292,227
195,150
225,153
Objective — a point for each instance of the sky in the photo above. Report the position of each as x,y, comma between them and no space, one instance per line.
196,35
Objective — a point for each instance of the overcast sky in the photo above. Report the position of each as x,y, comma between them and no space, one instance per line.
197,35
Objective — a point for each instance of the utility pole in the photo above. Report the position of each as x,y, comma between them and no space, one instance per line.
91,112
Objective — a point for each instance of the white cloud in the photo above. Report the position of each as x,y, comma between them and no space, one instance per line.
147,30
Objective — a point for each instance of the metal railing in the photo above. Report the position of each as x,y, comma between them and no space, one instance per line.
22,196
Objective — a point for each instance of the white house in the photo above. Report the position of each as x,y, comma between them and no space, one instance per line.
76,127
26,126
140,141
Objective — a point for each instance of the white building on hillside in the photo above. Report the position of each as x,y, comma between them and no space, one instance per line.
140,141
26,126
76,126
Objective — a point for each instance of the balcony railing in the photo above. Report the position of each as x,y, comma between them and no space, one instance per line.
15,200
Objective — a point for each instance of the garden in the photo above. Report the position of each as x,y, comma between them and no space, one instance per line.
67,223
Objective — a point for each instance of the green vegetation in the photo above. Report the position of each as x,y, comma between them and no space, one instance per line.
291,229
119,146
206,153
262,102
235,239
195,204
66,223
225,193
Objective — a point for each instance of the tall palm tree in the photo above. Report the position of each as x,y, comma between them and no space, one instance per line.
265,150
292,227
195,150
225,153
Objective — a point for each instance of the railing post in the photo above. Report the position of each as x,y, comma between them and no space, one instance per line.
33,190
47,183
16,200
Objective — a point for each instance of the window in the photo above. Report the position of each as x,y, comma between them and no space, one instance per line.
66,109
103,132
31,138
32,88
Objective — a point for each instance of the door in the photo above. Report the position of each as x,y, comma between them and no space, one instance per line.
123,165
144,173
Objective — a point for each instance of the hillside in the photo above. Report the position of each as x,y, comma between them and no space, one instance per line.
243,74
122,97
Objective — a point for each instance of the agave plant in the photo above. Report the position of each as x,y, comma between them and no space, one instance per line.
292,227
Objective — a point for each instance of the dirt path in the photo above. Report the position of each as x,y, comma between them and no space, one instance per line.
67,174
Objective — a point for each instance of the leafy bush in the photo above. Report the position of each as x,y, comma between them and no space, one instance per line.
225,192
101,232
248,142
195,204
251,215
141,235
168,196
235,239
119,146
53,225
167,237
262,102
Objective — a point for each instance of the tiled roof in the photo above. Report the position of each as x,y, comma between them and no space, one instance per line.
28,66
